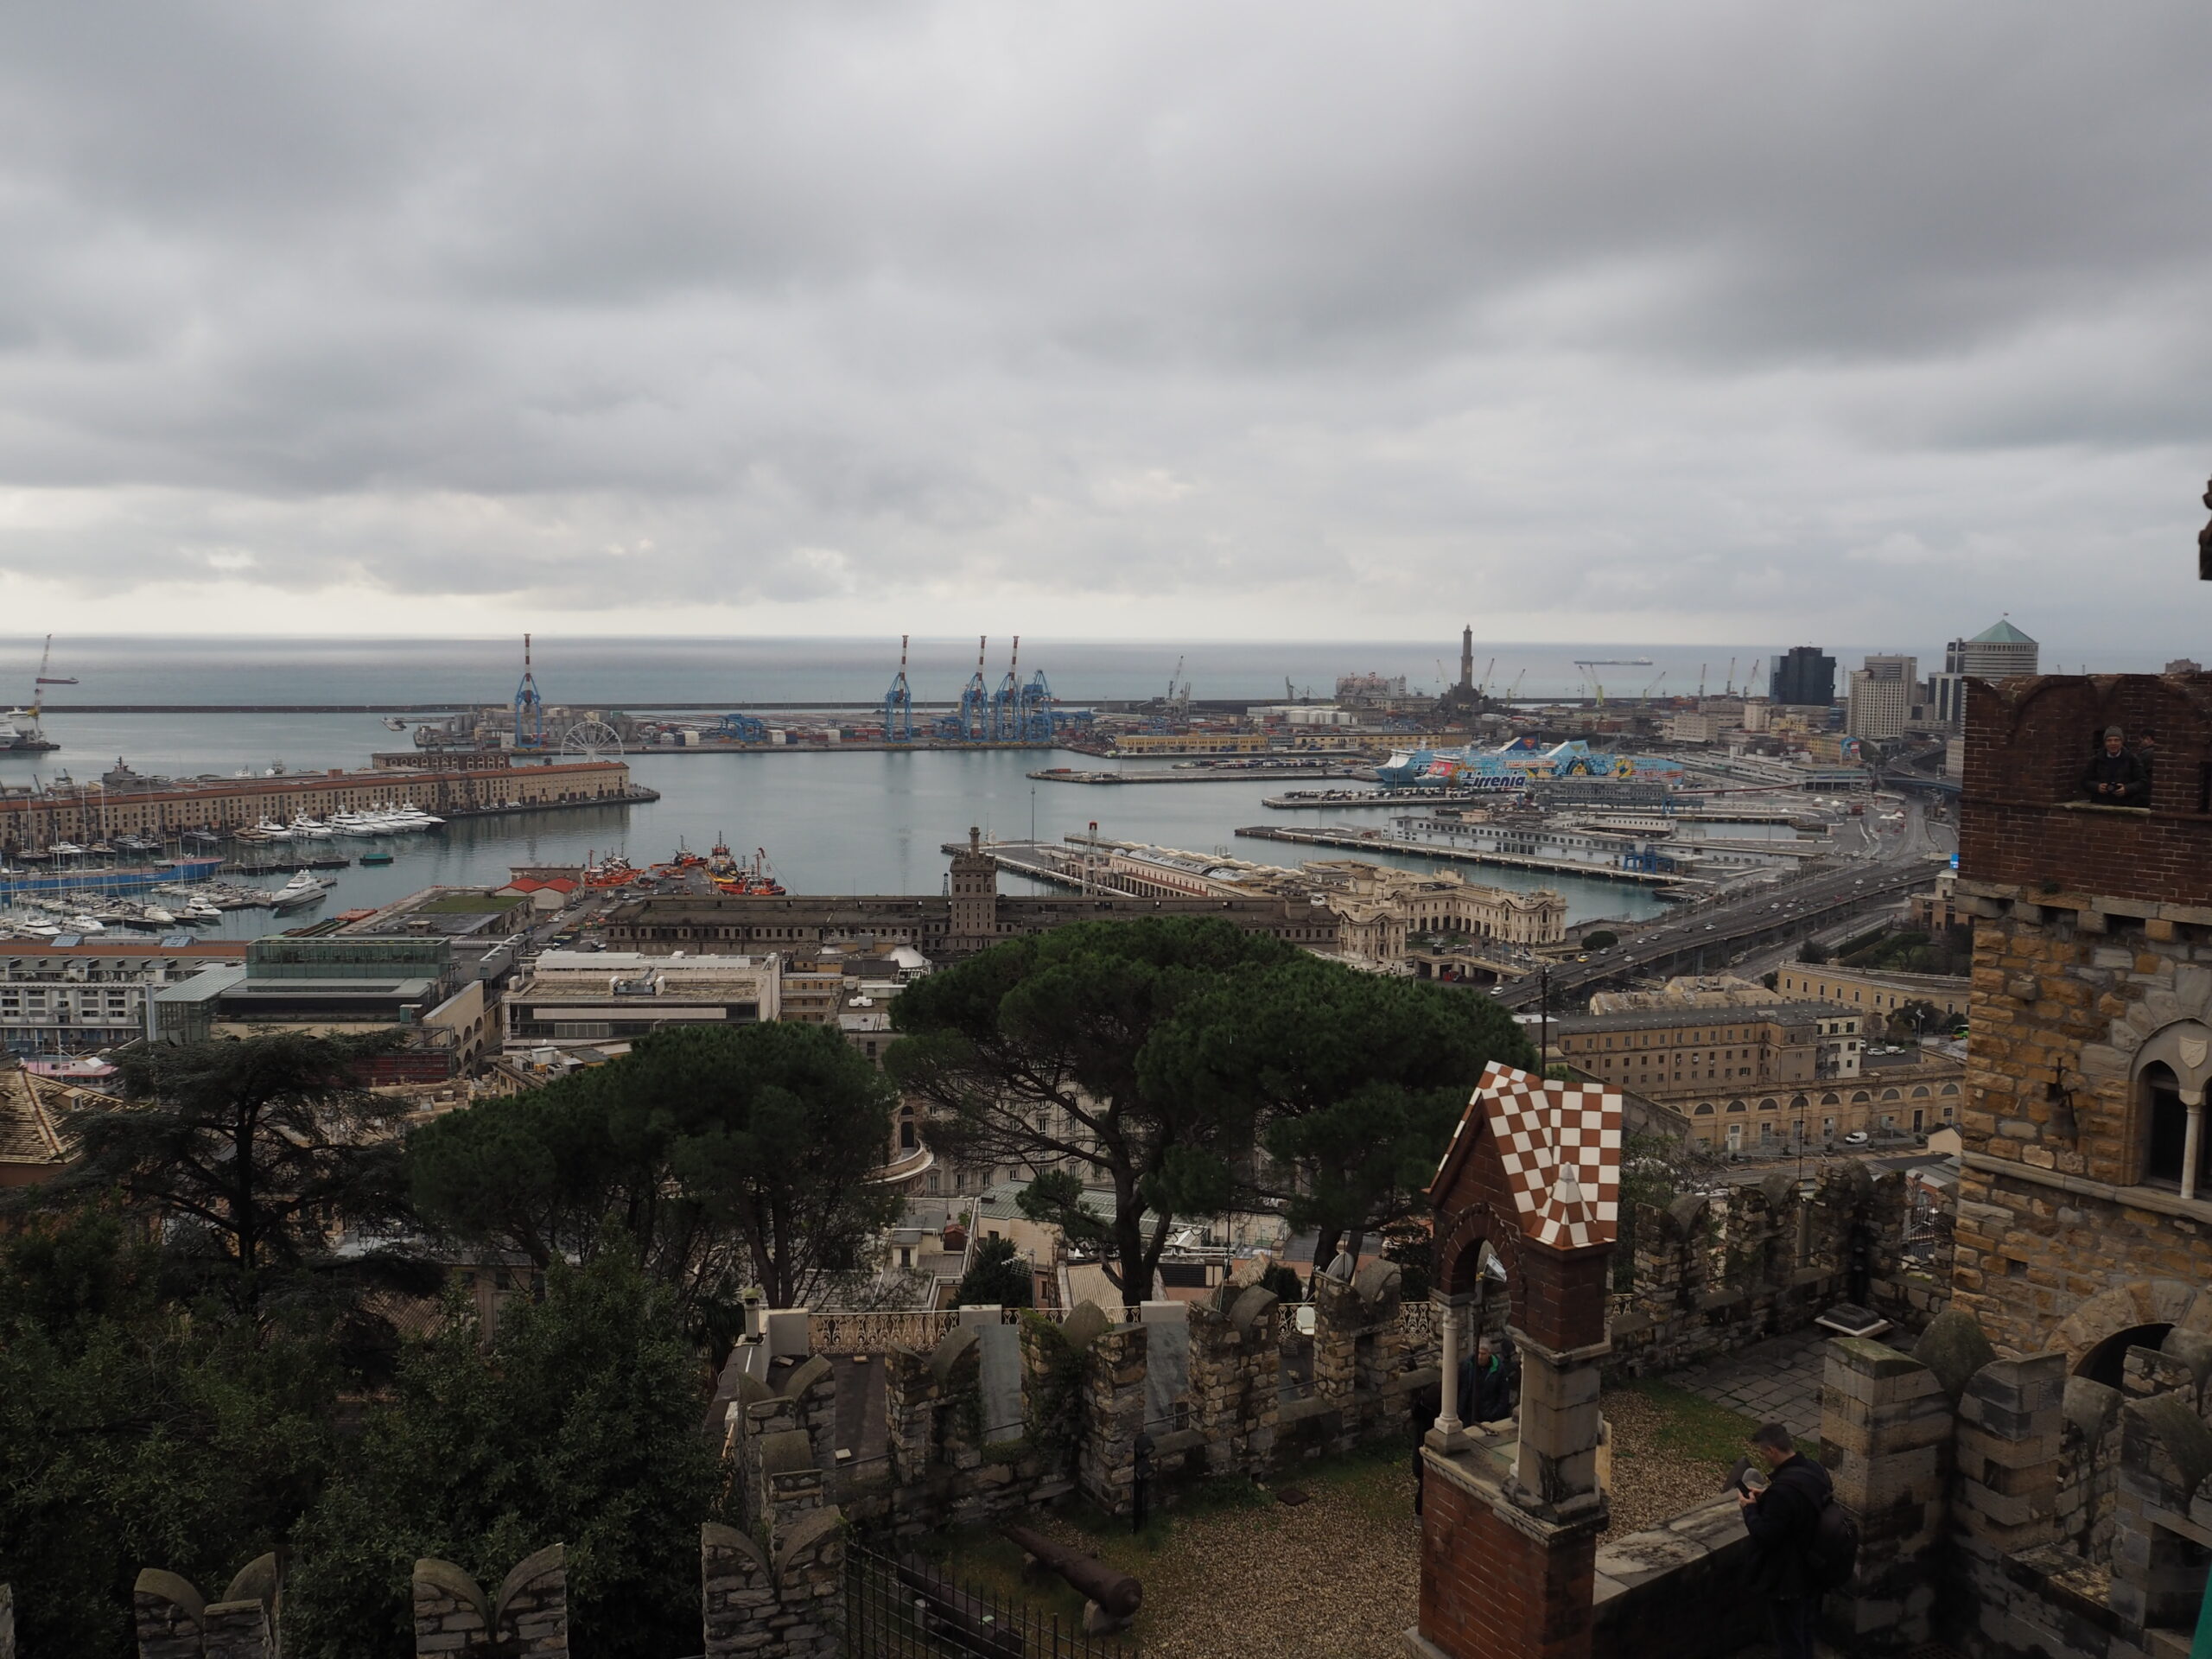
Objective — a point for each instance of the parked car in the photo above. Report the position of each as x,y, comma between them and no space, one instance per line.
1856,1138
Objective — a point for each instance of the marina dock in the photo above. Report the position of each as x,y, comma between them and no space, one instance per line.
1190,775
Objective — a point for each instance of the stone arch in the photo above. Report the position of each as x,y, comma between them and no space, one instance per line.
1920,1092
1704,1109
1891,1093
1860,1097
1950,1088
2147,1302
1736,1106
1767,1104
1831,1099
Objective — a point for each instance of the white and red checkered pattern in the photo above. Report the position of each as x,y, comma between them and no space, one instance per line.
1560,1146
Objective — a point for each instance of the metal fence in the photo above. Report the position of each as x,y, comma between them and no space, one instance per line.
907,1609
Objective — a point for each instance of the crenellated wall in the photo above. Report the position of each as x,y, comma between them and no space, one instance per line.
1717,1273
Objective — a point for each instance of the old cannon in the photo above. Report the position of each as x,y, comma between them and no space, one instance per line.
1114,1593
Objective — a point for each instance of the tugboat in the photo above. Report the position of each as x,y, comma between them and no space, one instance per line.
753,880
613,871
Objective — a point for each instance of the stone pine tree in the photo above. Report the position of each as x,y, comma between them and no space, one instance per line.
1353,1082
704,1144
1052,1053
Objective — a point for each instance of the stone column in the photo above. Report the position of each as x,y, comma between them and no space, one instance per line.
2193,1141
238,1630
1447,1415
1885,1426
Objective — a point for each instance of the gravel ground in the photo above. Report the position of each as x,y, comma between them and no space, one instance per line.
1652,1482
1338,1577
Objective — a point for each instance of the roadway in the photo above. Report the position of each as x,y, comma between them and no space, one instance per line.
1892,861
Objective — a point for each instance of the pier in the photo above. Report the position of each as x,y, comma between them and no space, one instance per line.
1190,775
1374,841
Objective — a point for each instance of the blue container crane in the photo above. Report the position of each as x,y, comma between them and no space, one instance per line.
899,703
974,718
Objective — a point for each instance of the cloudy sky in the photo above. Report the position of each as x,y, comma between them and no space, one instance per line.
1691,322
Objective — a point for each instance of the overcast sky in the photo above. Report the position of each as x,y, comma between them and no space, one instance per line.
1649,322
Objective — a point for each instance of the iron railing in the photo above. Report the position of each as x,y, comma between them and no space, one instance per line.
909,1609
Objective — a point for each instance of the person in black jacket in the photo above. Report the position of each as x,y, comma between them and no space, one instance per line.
1781,1519
1485,1386
2115,776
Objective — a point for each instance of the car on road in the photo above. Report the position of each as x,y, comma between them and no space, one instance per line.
1856,1138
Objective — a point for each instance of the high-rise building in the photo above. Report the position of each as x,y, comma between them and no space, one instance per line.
1997,652
1883,693
1804,675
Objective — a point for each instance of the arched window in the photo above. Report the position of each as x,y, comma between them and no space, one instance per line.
1735,1105
1891,1093
1769,1104
2165,1129
1798,1103
1950,1087
1859,1097
1705,1110
1921,1093
1831,1099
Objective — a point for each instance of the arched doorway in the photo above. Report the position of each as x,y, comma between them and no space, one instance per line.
2106,1363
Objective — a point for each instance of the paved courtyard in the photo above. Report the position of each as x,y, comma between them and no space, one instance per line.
1775,1381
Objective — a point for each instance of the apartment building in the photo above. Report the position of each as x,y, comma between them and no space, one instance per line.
1875,995
57,999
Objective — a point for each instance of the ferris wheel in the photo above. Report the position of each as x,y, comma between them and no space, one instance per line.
590,740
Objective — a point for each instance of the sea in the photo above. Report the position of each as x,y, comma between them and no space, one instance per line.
866,821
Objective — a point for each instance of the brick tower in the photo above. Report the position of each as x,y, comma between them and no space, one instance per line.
2085,1213
973,923
1509,1521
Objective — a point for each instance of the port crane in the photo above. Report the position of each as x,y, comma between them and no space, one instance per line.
975,717
529,708
899,703
1586,663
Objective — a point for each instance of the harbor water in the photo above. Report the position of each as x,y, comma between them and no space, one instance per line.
864,822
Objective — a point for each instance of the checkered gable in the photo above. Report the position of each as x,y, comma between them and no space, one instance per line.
1560,1146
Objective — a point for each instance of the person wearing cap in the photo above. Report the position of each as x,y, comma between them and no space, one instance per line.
2114,775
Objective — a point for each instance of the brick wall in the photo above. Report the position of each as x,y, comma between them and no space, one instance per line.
2021,822
1494,1586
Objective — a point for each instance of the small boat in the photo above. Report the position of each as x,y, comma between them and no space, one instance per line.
613,871
86,924
754,881
66,849
270,829
378,856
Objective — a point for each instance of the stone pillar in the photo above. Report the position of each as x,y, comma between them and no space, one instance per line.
737,1594
2165,1455
1113,1416
238,1630
1886,1424
451,1616
1448,1413
169,1614
792,1485
2192,1142
1557,1469
2012,1420
1236,1389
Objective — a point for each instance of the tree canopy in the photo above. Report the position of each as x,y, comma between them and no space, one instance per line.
242,1150
1155,1059
1050,1051
581,1426
725,1154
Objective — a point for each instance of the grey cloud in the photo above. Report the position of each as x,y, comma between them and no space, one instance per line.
1318,311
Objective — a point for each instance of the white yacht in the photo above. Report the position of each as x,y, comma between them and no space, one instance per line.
86,924
270,829
66,849
306,828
